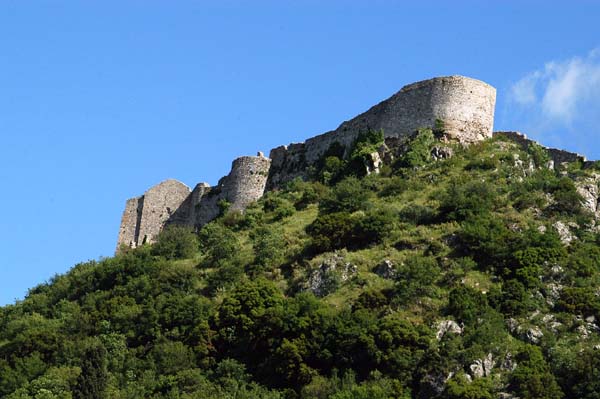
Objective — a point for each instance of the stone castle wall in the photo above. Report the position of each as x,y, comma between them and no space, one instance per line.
155,209
130,221
465,105
172,202
556,156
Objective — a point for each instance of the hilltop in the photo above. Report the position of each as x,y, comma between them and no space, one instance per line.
450,271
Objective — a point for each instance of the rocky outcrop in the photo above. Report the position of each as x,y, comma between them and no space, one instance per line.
385,269
588,189
482,367
447,327
564,232
331,272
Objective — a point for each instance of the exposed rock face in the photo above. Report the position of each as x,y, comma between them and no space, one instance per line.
563,232
534,335
588,189
329,274
482,367
447,327
439,153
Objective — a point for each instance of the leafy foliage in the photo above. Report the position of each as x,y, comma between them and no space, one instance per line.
231,312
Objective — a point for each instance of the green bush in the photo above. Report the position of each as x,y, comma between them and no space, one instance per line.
347,196
176,242
218,242
465,198
532,378
538,154
418,152
417,277
331,231
418,214
374,227
278,207
579,300
269,247
466,304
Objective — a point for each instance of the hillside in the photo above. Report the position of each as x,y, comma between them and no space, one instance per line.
453,272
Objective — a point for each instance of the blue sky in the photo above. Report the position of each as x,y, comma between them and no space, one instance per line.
101,100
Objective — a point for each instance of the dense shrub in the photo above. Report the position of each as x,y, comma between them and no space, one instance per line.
269,247
418,151
418,214
278,207
532,377
416,277
347,196
463,199
344,230
218,242
579,300
176,242
466,304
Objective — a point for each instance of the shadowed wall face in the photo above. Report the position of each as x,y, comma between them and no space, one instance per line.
144,217
129,231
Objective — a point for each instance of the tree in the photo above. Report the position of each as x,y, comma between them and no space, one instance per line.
92,382
176,242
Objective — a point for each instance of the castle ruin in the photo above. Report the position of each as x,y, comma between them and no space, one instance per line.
172,202
465,105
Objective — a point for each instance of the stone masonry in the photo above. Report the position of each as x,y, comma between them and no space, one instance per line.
146,216
172,202
556,156
464,105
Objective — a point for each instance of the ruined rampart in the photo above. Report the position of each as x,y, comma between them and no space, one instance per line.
464,105
172,202
556,156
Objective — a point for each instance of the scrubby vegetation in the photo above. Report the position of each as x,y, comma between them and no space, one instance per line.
432,279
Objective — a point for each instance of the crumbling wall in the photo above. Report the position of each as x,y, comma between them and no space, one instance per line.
172,202
144,217
196,199
246,182
160,204
465,105
130,221
556,156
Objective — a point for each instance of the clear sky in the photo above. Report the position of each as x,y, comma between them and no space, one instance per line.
99,100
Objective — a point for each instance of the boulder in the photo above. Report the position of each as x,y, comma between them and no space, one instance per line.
447,326
482,367
563,232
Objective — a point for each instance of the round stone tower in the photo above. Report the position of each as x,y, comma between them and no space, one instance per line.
464,105
247,180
